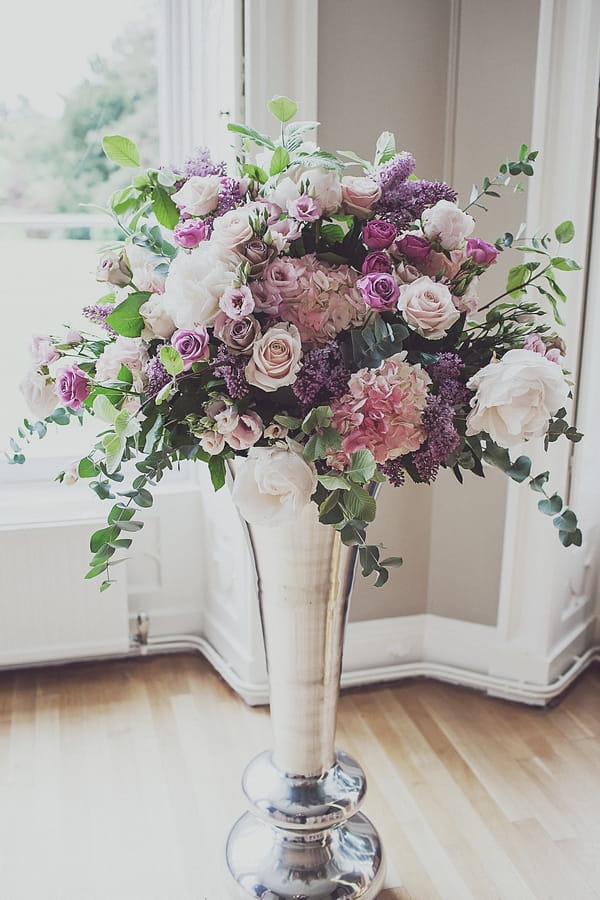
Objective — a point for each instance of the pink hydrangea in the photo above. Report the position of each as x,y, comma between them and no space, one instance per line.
382,411
326,300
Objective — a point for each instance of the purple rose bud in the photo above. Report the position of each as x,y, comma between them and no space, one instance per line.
481,252
72,386
379,290
414,247
192,346
377,234
376,262
188,233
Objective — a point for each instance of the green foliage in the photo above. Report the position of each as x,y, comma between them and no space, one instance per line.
125,317
121,150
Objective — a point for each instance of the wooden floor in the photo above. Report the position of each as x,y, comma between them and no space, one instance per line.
120,781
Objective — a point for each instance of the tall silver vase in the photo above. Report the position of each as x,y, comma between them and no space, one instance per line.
303,836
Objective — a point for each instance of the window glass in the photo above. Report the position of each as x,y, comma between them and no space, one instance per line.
81,73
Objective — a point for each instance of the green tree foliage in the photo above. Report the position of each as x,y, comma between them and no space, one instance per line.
51,165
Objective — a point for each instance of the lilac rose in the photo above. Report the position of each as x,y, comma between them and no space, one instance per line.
481,252
414,247
192,346
190,232
378,234
379,290
72,386
376,262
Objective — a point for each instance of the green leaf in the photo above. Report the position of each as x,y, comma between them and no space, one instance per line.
352,533
121,150
382,577
334,482
520,469
537,483
143,498
567,521
261,139
551,505
96,570
283,108
333,234
564,263
565,232
359,504
279,161
385,148
132,525
287,421
104,409
104,536
362,466
394,561
350,154
255,172
126,425
87,468
171,359
120,513
164,208
114,446
125,318
216,467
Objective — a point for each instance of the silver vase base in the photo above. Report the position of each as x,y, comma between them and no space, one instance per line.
341,863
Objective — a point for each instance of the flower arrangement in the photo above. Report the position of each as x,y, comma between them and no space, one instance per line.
326,326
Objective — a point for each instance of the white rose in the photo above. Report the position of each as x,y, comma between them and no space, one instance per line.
233,228
129,352
323,184
275,358
446,224
199,195
273,485
39,394
143,265
516,397
427,307
158,322
195,283
286,191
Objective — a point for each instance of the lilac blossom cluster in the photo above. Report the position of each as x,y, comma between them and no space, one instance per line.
323,377
403,201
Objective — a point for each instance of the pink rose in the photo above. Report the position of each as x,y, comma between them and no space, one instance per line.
233,228
192,346
378,234
72,386
304,208
376,262
275,358
248,430
359,195
379,290
190,232
42,350
427,307
237,302
212,442
414,247
481,252
447,225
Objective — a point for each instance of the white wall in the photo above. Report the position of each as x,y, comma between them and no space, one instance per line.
454,81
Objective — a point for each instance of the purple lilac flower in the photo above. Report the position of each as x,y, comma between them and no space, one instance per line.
438,422
393,470
231,368
229,196
157,376
322,378
403,201
447,374
97,313
200,163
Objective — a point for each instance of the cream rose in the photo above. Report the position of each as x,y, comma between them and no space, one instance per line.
143,265
38,391
129,352
195,282
273,485
359,195
157,321
199,195
275,358
516,397
446,224
233,228
427,307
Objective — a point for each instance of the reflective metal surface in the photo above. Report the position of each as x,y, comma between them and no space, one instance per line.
304,803
342,863
304,837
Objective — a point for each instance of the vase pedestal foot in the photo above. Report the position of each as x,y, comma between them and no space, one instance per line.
271,863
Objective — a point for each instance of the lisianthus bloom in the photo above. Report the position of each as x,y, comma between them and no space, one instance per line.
382,411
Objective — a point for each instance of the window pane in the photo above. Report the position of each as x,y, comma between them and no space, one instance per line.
83,72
